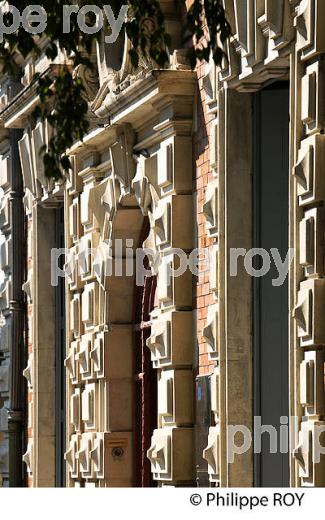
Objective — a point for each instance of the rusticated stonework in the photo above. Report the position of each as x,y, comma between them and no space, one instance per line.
166,147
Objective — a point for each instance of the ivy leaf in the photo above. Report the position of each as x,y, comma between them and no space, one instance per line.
65,163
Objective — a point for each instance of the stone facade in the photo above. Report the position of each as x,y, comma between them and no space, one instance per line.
166,150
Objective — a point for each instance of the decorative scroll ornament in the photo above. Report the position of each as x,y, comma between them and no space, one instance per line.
90,80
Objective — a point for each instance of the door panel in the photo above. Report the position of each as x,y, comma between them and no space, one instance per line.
271,223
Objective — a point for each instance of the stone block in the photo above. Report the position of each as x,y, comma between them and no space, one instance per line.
172,222
112,353
118,405
210,332
75,410
310,28
5,173
171,340
312,392
311,251
212,454
312,99
309,313
175,165
76,326
84,455
90,407
175,398
111,457
71,363
171,455
71,456
90,306
174,287
84,357
309,454
210,208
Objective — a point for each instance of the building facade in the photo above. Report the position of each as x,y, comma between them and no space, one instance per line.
109,382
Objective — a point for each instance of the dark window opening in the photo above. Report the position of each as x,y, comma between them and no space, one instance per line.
271,308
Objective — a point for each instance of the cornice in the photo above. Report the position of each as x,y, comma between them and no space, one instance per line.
163,95
137,102
20,108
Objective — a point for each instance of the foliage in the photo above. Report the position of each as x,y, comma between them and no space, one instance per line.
62,99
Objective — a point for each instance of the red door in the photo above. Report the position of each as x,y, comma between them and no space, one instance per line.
145,376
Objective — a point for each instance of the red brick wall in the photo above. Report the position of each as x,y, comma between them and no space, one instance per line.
203,174
201,147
